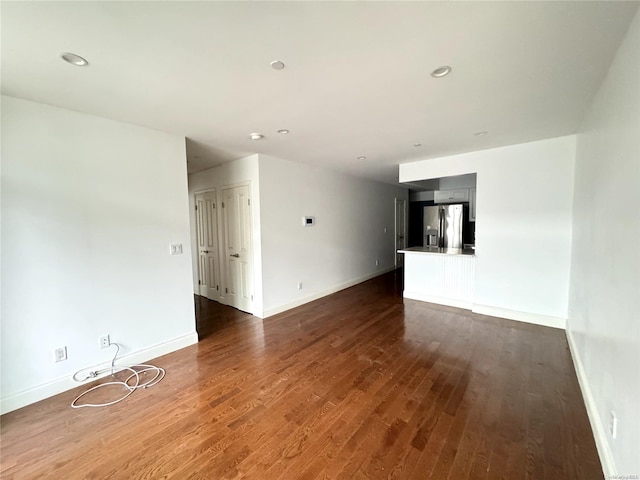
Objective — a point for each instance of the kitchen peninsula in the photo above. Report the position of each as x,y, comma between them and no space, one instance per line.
440,275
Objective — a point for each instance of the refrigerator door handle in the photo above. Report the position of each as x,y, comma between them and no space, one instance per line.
440,227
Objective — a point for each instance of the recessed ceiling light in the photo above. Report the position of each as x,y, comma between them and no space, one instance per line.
362,157
283,131
417,144
256,136
441,71
277,65
74,59
480,134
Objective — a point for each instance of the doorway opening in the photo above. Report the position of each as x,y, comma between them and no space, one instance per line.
224,252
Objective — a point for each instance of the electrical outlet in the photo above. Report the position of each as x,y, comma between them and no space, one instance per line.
613,425
300,286
104,341
377,262
60,354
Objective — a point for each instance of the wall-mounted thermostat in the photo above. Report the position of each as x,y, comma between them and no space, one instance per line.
308,221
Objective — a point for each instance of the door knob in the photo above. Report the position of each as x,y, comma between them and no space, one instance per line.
205,251
235,255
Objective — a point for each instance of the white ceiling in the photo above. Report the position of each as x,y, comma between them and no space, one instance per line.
357,78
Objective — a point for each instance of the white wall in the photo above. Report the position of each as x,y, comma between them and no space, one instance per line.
523,228
604,302
239,171
89,209
340,250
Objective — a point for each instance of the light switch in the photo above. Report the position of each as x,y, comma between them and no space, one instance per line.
176,249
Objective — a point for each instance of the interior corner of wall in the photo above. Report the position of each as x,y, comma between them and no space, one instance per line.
599,433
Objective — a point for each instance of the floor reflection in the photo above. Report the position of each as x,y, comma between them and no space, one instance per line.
213,318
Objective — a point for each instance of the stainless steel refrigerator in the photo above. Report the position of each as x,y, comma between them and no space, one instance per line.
443,225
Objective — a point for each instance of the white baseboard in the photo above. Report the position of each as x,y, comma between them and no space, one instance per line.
536,319
450,302
336,288
599,432
62,384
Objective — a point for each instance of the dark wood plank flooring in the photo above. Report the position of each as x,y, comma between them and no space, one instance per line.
357,385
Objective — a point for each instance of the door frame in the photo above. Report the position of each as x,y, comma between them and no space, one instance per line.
222,246
217,232
398,262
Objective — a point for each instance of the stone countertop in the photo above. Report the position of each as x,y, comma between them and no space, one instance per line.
439,251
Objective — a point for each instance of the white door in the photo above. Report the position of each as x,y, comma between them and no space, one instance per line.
238,254
207,230
401,230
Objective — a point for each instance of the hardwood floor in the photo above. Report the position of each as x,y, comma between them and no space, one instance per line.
357,385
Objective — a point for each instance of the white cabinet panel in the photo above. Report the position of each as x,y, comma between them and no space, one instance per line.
443,279
472,204
451,196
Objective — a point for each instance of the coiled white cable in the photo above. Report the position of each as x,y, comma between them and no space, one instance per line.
143,368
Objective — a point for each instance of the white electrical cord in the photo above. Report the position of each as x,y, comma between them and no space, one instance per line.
143,368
